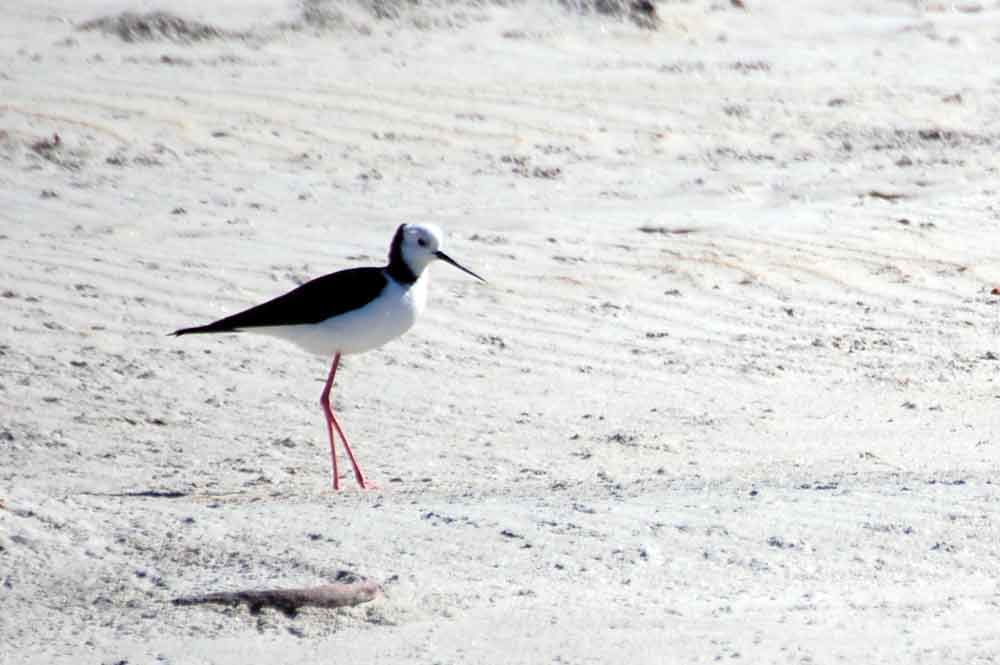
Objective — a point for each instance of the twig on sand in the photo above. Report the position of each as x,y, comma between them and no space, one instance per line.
349,589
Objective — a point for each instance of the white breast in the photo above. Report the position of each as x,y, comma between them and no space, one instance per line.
387,317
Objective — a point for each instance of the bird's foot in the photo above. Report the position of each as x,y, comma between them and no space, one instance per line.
365,484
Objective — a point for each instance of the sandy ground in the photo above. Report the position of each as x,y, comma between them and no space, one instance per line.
731,392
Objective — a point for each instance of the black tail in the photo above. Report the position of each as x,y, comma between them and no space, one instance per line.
210,328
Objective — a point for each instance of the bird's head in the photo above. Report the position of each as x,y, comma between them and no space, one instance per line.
419,245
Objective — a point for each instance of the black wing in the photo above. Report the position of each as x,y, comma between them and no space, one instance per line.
312,302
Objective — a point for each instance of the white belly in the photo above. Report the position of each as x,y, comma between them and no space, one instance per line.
363,329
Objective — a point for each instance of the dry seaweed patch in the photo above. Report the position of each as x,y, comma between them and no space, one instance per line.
155,26
640,12
886,139
329,15
430,14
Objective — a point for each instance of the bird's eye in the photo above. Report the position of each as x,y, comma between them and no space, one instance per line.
422,242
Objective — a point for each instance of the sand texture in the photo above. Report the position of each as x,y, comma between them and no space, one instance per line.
731,392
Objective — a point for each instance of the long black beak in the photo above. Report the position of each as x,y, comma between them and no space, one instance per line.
447,259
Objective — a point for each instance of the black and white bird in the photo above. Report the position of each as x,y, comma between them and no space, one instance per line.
349,311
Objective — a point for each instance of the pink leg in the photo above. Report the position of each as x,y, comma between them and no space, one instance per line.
358,474
324,401
331,423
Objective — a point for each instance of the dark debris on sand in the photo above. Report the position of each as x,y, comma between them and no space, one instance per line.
347,589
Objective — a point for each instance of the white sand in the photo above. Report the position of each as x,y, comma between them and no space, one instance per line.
773,439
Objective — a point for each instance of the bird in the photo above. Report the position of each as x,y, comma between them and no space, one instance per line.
348,312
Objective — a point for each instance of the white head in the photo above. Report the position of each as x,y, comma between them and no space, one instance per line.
416,246
420,241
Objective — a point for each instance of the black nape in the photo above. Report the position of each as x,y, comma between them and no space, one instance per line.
397,268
